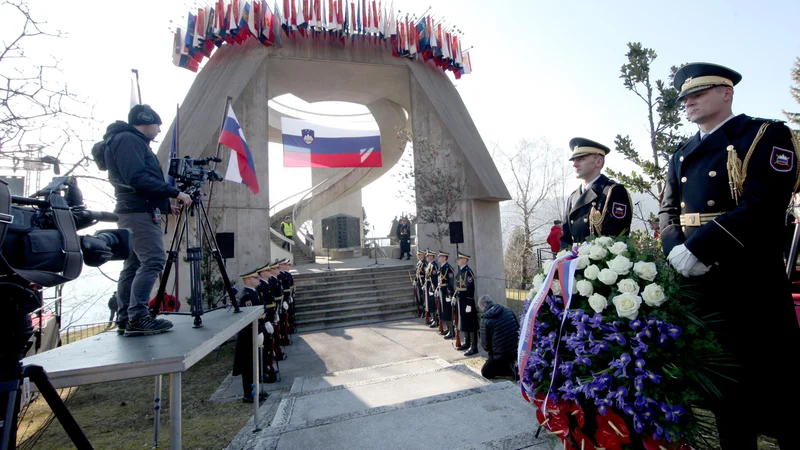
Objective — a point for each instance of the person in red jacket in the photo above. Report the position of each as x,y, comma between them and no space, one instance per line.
555,236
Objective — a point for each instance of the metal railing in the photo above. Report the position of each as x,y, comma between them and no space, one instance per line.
75,333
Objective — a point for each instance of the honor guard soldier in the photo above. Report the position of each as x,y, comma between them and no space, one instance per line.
288,294
446,291
286,287
277,293
243,352
467,311
419,279
600,206
724,187
431,288
404,236
265,290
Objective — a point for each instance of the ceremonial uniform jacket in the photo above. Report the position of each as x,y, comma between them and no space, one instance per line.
243,350
446,290
465,292
432,276
285,279
403,232
747,285
611,202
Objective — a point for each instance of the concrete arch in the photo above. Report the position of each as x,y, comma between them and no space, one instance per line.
361,73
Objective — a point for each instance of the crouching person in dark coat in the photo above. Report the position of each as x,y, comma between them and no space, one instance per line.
499,337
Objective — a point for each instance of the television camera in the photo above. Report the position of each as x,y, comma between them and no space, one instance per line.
40,247
190,173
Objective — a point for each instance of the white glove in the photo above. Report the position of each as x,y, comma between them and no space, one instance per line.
682,259
260,339
449,299
437,293
469,309
285,306
291,299
269,328
698,269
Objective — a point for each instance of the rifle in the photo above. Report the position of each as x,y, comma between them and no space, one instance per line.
439,310
455,323
270,376
416,293
276,343
284,318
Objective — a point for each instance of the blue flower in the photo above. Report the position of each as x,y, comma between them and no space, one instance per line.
673,414
656,379
674,332
566,369
583,360
640,366
658,430
635,324
662,340
619,396
637,424
596,320
628,409
638,383
616,337
621,365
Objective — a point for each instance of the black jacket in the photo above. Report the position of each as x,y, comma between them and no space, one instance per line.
606,196
499,330
135,172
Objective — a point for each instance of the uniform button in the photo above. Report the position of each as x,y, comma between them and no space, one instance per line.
571,221
680,159
585,219
683,180
712,173
683,204
711,203
684,229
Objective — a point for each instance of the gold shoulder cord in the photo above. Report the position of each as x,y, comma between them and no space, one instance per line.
737,172
596,218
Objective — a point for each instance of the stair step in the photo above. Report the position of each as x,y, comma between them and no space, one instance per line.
368,300
362,318
304,316
307,287
343,274
350,293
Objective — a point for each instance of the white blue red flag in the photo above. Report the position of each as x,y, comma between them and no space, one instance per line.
241,167
306,144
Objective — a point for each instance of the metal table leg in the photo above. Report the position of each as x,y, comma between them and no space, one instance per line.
175,410
157,412
256,376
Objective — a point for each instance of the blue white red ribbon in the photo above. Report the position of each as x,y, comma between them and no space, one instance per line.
565,266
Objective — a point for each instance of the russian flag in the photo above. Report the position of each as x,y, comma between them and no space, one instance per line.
241,167
307,144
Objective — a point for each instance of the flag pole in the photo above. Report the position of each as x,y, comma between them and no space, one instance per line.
138,89
219,147
176,132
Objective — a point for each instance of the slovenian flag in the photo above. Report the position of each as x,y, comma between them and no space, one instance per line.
306,144
241,167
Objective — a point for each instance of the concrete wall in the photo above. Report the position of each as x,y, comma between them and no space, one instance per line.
349,205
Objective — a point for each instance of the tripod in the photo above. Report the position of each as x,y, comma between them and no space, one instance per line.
375,249
15,331
194,255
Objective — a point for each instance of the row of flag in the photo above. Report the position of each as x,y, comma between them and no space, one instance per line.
235,21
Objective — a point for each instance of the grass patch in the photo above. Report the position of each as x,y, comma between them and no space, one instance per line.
119,414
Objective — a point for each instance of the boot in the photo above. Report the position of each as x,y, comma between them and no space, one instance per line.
451,332
473,349
434,323
466,343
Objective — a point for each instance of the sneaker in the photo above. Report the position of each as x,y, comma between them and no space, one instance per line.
121,326
147,325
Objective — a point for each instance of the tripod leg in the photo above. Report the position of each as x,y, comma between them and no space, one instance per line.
212,240
39,376
10,389
172,256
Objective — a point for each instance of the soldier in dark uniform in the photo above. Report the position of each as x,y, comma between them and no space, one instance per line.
283,279
727,184
277,293
431,288
288,294
467,311
600,207
243,352
446,291
404,236
419,279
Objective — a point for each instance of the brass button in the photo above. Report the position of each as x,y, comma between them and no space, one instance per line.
683,180
712,173
711,203
680,159
683,204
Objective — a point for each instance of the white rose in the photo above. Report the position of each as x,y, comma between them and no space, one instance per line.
607,276
627,305
584,248
628,286
618,248
653,295
598,252
538,281
605,241
582,261
547,266
645,270
598,303
621,265
591,272
556,288
584,287
562,253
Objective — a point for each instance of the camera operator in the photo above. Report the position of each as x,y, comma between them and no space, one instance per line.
142,196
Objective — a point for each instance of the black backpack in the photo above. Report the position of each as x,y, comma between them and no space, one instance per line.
99,153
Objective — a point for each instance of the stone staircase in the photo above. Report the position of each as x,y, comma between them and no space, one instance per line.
424,403
353,297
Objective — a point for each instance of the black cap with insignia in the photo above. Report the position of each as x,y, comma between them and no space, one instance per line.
696,77
582,147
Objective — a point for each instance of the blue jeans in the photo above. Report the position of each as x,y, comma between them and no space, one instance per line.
140,271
